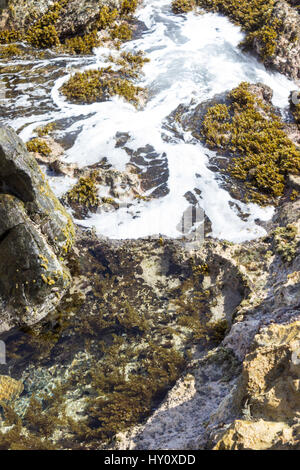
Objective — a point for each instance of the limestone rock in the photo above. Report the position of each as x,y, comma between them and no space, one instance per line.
272,372
287,56
248,435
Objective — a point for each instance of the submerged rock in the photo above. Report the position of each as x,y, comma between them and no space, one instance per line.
34,230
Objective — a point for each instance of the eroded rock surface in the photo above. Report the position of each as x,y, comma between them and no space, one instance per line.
245,393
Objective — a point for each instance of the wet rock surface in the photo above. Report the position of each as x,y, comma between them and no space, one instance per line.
153,344
34,230
75,18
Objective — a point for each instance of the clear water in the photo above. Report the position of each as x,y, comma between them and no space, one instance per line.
192,56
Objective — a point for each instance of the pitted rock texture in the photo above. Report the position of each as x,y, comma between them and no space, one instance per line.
245,393
287,56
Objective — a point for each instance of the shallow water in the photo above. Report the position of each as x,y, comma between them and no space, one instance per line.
191,57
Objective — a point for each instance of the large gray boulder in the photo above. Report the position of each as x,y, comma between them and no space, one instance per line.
35,233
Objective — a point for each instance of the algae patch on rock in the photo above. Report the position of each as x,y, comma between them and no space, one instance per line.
34,230
272,30
10,388
99,85
70,26
244,127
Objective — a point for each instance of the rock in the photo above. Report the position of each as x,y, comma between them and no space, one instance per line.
248,435
241,390
294,182
228,158
21,176
272,372
79,15
75,18
245,393
240,337
34,229
293,131
101,190
287,56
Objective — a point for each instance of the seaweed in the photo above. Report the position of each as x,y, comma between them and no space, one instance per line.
37,145
183,6
256,17
99,85
254,134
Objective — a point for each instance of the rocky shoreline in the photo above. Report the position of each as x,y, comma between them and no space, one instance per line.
145,344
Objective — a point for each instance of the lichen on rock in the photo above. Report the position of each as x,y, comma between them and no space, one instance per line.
34,230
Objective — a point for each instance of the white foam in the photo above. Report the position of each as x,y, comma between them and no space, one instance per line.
192,56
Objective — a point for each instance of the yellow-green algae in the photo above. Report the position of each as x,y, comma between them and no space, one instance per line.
43,32
11,50
45,130
99,85
10,36
37,145
256,17
249,129
183,6
131,64
85,192
133,359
